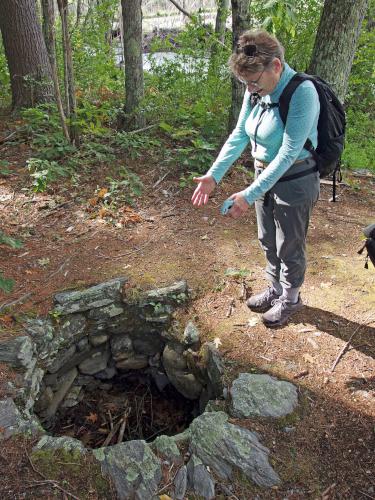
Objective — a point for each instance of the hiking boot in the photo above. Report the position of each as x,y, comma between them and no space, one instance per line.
261,302
280,312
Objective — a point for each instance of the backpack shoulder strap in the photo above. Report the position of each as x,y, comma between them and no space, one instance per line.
285,98
287,93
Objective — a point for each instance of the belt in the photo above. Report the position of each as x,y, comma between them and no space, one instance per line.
263,164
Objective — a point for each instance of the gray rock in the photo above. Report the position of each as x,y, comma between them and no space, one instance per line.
148,343
160,378
31,387
84,300
133,363
65,384
73,397
199,479
78,358
173,358
215,368
96,340
60,443
61,359
176,293
133,468
107,312
180,483
176,368
106,374
71,327
166,446
225,448
11,421
262,395
83,344
95,363
43,334
191,334
18,352
121,347
44,400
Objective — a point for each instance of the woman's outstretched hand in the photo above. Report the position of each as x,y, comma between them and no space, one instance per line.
206,184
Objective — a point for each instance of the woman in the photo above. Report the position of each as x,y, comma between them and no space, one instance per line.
283,209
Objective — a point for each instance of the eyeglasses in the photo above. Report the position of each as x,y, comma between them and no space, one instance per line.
253,83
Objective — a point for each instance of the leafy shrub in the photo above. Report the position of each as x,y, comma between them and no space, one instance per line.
6,284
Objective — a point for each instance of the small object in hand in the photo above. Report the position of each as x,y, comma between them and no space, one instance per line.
226,206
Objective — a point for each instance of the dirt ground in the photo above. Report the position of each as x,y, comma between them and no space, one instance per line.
327,450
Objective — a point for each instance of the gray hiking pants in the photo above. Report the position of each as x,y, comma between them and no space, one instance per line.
283,217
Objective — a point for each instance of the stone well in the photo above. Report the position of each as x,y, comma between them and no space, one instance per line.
96,335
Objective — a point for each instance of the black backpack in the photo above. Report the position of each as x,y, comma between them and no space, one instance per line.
331,123
369,244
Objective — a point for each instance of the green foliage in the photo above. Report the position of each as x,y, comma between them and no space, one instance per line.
44,172
6,284
4,77
359,149
236,273
124,189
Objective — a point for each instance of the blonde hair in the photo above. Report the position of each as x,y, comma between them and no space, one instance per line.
267,48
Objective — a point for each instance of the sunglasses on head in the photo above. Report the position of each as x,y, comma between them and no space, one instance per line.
250,50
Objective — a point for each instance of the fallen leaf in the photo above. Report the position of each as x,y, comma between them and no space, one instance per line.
164,497
102,193
92,417
103,212
7,319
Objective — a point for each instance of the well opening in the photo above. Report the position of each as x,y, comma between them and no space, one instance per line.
126,407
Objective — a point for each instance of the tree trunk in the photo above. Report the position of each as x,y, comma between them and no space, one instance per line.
221,18
240,23
132,29
48,11
26,53
336,41
69,77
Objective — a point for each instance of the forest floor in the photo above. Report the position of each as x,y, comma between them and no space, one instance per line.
70,240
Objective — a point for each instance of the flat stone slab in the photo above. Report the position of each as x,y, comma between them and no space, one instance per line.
227,448
90,298
262,396
133,468
65,443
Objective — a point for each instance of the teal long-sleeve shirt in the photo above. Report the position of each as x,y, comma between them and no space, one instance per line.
277,145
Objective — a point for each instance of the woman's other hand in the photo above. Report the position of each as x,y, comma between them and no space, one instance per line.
240,205
206,184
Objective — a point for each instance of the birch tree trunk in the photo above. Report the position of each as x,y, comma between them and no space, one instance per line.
134,91
26,53
336,41
221,18
240,23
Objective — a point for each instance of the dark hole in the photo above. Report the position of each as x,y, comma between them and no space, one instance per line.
133,408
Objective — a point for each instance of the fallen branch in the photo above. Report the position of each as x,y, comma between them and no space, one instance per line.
14,302
346,346
143,129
